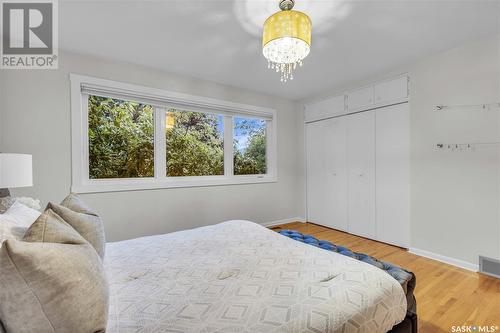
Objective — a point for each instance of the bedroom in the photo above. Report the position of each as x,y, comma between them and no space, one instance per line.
165,121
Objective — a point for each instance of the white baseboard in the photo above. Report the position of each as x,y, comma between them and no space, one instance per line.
447,260
278,222
431,255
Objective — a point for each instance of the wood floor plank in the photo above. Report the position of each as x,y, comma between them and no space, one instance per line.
446,295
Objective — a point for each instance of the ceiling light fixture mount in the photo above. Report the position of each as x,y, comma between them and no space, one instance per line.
286,39
287,4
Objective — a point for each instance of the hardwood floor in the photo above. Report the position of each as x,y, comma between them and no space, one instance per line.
446,295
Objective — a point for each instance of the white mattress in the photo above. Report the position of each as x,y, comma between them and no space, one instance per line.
238,276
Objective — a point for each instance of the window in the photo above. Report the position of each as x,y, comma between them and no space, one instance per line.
127,137
195,144
121,139
249,146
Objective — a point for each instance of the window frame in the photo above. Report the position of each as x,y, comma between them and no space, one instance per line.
162,101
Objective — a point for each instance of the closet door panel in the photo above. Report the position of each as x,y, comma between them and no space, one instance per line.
361,174
326,173
316,201
336,178
392,174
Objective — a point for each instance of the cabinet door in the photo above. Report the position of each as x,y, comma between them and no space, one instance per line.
336,179
360,99
326,173
315,135
391,91
361,174
392,174
330,107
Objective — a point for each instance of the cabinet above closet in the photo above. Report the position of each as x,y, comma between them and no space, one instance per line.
328,108
376,95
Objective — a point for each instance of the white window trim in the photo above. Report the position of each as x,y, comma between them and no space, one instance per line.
162,99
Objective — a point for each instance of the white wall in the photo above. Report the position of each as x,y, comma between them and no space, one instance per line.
1,108
454,195
454,209
36,120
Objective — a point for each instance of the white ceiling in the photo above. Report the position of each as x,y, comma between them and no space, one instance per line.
220,40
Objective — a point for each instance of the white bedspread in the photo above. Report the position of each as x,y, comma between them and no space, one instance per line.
238,276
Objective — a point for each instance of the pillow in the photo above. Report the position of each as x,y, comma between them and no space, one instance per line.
53,281
51,228
73,202
21,214
88,225
10,230
6,202
16,220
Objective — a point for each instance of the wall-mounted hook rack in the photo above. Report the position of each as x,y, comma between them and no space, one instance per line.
486,106
466,146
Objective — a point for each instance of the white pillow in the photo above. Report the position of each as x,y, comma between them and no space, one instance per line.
10,230
6,202
22,214
16,220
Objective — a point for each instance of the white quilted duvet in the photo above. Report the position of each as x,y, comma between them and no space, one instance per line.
238,276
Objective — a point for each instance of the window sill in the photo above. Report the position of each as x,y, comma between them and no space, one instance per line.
120,185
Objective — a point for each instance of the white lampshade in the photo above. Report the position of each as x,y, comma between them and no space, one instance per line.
15,170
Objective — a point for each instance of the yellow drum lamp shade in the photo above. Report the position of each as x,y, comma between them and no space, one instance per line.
286,41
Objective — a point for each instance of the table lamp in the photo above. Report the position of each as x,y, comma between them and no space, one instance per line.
15,171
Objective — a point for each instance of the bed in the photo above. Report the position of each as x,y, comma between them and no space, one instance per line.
405,278
238,276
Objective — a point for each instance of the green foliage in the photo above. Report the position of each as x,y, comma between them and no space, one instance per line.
121,142
194,145
252,160
121,139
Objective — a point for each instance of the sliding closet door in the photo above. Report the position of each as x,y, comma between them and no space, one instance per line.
316,171
326,173
393,174
361,173
337,180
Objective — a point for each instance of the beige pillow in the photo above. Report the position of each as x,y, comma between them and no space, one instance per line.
83,220
51,228
73,202
54,281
